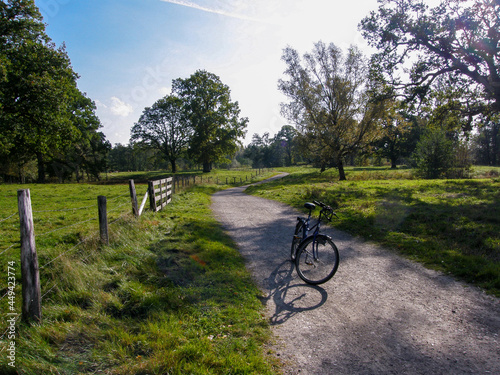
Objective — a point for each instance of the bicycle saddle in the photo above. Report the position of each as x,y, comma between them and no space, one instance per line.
310,206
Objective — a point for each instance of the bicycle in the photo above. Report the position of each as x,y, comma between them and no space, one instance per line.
316,257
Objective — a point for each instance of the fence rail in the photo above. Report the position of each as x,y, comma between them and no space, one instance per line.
160,193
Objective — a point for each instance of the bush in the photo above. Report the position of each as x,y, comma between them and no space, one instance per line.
434,154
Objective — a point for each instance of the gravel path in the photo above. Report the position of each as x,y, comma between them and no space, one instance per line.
380,314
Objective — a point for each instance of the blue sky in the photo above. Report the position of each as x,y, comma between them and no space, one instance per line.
127,52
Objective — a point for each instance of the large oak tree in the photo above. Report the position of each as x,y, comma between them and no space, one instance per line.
213,117
161,127
458,40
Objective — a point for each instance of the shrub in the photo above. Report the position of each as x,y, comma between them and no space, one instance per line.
434,154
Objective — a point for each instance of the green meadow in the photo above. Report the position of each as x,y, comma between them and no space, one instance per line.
449,225
170,294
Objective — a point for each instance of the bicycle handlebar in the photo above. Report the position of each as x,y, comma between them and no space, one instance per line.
326,208
322,205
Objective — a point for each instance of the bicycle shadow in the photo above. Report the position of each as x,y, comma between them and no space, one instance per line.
290,294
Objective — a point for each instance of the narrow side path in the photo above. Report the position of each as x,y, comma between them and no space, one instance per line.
380,314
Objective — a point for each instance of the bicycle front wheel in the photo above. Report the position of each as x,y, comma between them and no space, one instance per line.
317,259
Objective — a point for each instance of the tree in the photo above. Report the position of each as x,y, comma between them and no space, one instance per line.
434,154
161,127
88,149
396,134
487,144
260,151
330,103
285,141
38,91
211,115
458,40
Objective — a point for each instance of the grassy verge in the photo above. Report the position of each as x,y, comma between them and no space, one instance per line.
170,294
449,225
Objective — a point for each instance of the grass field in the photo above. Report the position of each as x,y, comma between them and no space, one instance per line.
449,225
170,294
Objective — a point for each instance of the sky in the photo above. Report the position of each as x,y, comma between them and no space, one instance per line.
127,52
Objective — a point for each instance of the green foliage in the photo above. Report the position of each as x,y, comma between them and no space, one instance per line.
170,294
449,225
487,144
278,151
399,134
43,115
330,103
161,128
455,40
212,117
434,154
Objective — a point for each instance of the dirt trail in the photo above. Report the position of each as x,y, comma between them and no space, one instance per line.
380,314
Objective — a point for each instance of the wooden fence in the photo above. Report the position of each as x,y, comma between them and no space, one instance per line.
160,194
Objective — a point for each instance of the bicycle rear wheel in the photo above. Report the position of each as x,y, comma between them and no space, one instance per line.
317,260
297,238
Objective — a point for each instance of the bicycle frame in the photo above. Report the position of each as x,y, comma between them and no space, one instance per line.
306,229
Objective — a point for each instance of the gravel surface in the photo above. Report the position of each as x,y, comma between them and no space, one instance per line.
380,314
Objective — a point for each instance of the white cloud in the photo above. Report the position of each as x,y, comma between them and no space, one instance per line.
221,9
164,91
120,108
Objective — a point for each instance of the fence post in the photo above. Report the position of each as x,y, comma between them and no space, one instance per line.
152,198
133,197
32,305
103,219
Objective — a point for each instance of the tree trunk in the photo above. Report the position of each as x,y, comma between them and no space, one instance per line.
207,167
393,163
173,165
341,171
41,168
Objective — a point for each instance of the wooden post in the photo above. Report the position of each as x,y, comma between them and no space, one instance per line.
32,305
152,198
103,219
133,197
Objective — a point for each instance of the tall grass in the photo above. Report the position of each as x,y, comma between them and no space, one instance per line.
170,294
450,225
